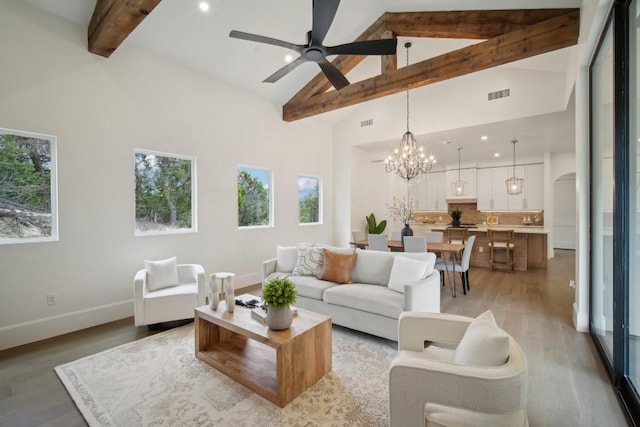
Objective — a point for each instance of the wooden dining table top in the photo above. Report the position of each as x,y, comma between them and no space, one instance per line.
431,247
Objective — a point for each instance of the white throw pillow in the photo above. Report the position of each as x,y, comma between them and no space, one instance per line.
161,274
405,271
372,267
428,257
286,259
483,343
309,262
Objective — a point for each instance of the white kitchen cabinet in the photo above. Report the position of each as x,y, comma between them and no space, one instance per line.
492,189
468,175
429,193
534,187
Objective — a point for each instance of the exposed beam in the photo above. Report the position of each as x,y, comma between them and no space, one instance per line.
468,24
534,39
113,20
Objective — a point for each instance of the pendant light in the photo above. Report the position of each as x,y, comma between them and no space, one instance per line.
514,184
457,187
408,160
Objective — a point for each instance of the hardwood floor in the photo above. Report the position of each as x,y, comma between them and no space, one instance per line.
567,383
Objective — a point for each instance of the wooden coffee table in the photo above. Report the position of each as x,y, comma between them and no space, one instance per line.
278,365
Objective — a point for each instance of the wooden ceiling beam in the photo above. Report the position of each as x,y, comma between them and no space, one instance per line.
469,24
113,20
555,33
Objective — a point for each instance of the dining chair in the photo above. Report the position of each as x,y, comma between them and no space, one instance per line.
461,267
357,235
396,235
378,242
434,236
415,244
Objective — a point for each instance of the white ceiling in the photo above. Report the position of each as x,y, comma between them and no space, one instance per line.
179,31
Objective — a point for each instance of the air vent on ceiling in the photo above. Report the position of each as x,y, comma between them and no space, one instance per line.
366,123
499,94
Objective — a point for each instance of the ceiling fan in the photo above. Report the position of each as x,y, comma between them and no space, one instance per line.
323,13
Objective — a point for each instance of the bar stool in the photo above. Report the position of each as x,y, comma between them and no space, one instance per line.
457,235
501,240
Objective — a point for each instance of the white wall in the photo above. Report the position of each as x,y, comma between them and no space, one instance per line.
100,110
564,212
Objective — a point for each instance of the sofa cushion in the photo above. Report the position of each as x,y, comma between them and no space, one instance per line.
372,267
428,257
307,286
406,270
483,343
161,274
287,256
374,299
337,267
309,261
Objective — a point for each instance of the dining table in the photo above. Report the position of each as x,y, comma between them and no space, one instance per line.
452,250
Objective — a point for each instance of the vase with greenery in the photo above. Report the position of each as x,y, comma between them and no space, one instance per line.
402,211
373,226
278,294
456,214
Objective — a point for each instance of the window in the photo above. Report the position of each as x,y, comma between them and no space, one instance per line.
28,199
165,193
255,207
309,200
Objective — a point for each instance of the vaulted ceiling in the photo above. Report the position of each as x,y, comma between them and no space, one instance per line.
510,35
178,31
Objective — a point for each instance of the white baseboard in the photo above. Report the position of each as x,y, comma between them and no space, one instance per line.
39,329
580,319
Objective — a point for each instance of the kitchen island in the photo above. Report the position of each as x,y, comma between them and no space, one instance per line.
530,244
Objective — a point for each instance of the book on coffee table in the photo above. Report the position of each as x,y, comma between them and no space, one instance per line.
259,314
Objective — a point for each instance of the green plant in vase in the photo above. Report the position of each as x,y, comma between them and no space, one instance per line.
373,226
456,214
278,294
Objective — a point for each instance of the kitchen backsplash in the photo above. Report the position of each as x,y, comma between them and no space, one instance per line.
471,215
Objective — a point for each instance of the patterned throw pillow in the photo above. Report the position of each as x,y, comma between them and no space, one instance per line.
310,259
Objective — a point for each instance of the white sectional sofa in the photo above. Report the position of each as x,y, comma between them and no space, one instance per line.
380,288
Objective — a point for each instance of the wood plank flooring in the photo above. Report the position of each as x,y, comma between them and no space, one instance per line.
567,383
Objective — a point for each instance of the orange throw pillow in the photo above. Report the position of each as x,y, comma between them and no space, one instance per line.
337,266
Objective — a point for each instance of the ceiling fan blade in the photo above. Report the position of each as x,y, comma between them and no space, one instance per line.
337,79
283,71
367,47
323,13
267,40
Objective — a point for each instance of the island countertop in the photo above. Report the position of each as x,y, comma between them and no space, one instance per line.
525,229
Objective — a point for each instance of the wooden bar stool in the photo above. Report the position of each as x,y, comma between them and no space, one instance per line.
457,235
501,240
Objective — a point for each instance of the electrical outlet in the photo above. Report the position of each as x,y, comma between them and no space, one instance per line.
481,249
52,299
572,284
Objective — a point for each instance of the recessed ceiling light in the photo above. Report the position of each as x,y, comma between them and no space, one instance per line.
496,154
204,6
446,142
288,58
484,137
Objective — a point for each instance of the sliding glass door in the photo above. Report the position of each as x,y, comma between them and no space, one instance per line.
634,199
615,201
602,190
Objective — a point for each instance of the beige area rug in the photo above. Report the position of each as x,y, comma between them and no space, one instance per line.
158,381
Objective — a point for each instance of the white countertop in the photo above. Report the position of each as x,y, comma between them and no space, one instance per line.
525,229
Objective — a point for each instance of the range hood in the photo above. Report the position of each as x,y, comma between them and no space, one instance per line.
467,201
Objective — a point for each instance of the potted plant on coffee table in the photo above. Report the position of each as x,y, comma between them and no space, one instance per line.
278,294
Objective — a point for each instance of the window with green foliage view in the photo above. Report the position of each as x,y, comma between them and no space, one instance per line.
28,211
309,199
254,197
165,193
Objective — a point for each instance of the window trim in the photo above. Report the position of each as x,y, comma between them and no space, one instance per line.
320,204
194,204
53,188
271,193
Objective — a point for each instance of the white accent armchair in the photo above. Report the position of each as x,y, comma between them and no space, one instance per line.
170,302
429,385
